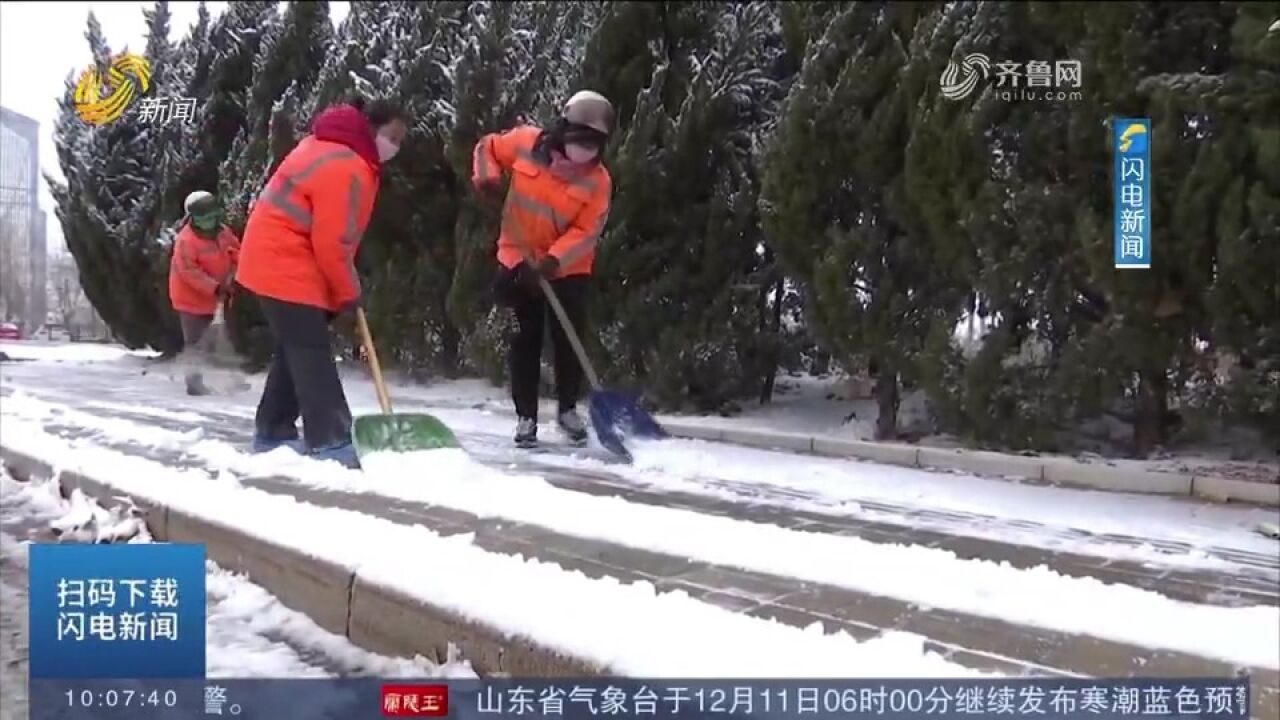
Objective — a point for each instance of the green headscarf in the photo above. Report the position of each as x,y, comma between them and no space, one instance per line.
206,218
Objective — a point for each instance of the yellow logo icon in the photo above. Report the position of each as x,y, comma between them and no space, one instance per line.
1131,134
100,98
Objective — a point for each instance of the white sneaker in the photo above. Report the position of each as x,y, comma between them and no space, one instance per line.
526,433
571,424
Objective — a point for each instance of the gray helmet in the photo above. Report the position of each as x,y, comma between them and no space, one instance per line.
590,109
199,201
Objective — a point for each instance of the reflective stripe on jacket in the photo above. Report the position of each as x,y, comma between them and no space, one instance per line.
563,218
198,266
304,229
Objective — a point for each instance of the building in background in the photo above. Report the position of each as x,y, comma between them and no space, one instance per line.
23,252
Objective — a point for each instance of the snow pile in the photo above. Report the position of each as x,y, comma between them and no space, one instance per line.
248,632
87,521
591,618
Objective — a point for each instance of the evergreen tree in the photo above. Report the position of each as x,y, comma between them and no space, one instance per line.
838,207
677,307
1223,285
108,205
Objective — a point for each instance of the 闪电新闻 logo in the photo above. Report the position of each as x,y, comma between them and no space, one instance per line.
959,79
1133,140
103,97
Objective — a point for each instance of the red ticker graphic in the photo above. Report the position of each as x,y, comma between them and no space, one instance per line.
415,700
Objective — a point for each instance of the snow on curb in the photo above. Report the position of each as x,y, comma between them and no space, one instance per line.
1056,471
246,624
603,624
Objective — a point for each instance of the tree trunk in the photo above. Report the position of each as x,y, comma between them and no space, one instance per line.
887,400
821,363
771,372
1148,421
450,351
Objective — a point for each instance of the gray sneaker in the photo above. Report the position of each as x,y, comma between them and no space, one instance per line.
527,433
572,426
196,386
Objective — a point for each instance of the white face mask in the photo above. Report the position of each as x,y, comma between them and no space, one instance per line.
386,148
579,153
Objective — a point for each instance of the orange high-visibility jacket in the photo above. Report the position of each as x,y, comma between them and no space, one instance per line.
303,232
563,218
198,266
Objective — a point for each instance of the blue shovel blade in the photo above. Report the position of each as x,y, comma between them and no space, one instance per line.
616,416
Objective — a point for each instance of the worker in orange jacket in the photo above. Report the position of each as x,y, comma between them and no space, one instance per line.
299,259
556,207
201,272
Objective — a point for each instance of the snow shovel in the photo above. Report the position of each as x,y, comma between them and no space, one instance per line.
215,351
613,414
389,432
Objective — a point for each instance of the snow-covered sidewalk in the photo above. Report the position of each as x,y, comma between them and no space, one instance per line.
249,633
628,627
1180,533
924,576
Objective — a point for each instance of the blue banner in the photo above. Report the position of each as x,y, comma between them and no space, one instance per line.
1131,184
582,698
117,611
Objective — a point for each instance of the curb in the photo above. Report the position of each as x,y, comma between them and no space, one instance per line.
1053,471
369,614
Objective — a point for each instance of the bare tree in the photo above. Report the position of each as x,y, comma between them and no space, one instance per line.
68,297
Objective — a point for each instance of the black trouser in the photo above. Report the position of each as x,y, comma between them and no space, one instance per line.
303,379
193,328
525,358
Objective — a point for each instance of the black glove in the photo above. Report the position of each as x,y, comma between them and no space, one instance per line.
526,276
346,310
225,288
549,267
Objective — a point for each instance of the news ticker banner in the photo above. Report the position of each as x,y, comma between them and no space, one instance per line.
1131,192
116,611
317,699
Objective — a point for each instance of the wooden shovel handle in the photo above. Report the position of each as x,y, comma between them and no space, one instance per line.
366,339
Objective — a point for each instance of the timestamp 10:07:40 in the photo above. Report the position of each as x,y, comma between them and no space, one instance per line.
121,698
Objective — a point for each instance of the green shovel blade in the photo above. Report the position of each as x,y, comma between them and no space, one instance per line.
401,433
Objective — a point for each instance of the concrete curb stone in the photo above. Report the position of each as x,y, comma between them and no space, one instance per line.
1220,489
1018,468
891,453
372,616
1108,477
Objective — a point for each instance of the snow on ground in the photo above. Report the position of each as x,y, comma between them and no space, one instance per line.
839,406
829,405
70,352
925,576
680,636
849,488
824,485
249,633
